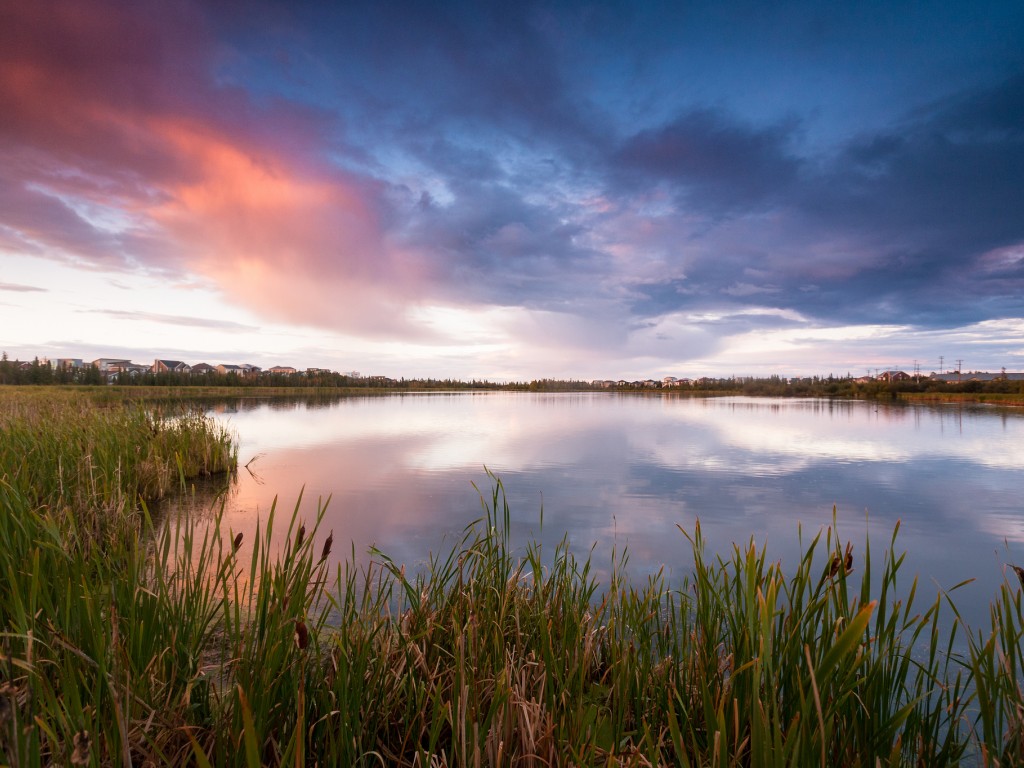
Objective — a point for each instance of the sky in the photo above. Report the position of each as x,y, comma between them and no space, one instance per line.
514,191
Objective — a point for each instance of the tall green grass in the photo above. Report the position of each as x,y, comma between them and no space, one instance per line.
71,453
170,645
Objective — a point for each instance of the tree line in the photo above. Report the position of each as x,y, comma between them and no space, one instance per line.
42,373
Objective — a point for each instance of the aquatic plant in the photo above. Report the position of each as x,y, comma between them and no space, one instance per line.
175,643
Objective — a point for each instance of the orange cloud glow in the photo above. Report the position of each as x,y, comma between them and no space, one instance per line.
261,227
98,122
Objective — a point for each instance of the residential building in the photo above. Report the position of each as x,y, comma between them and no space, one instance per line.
170,366
894,376
118,371
104,363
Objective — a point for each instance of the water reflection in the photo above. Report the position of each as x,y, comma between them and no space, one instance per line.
621,471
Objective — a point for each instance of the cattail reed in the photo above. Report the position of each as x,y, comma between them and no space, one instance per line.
301,634
327,546
1019,571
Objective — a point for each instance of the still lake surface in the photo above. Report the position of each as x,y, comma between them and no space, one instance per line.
624,471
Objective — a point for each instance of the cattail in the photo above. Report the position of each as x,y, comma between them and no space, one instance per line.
301,634
327,546
300,536
1019,571
844,562
833,570
237,542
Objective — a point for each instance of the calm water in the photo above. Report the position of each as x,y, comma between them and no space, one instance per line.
624,471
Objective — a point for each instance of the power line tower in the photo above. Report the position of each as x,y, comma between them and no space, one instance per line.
959,363
941,360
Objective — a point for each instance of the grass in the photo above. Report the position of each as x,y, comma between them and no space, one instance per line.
990,398
134,643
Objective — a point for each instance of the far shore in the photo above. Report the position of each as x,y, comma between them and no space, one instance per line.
201,392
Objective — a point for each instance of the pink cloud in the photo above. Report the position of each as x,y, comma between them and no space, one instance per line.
110,114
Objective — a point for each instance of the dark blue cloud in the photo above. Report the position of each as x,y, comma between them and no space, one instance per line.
715,163
917,209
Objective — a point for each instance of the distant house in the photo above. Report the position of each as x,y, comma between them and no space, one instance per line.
201,369
133,368
118,371
68,362
670,381
894,376
250,369
170,366
287,370
105,363
236,369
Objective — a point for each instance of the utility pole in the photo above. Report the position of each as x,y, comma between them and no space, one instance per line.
941,359
959,363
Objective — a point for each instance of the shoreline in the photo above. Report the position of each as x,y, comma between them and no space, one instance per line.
199,392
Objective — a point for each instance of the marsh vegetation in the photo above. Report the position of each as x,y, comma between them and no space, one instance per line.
129,642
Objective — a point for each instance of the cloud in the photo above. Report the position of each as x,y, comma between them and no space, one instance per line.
931,201
918,223
447,160
178,320
122,151
748,289
716,162
21,288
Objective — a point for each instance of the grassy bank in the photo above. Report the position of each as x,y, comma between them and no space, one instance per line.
127,645
77,455
988,398
114,395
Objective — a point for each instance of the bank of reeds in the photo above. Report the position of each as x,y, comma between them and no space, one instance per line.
80,458
162,649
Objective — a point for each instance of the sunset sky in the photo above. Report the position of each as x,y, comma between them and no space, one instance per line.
515,190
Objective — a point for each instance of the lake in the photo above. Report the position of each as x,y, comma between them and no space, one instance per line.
623,471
